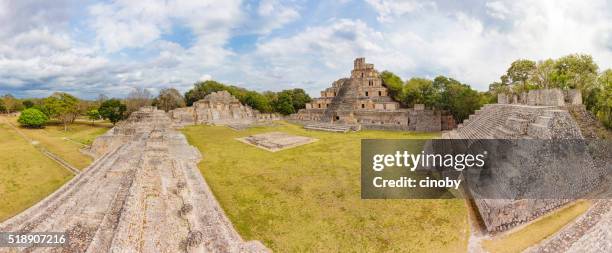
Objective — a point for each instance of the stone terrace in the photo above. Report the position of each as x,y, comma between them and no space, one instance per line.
143,194
276,141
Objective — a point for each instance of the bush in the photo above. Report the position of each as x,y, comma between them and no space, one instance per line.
32,118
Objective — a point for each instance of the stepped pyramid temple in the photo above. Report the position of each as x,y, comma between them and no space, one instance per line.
218,108
363,101
525,121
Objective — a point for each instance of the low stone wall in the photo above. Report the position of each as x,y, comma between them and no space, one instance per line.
543,97
425,121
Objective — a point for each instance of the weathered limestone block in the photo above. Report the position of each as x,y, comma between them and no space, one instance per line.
503,99
573,97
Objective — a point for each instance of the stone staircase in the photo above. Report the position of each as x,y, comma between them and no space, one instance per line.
497,121
342,103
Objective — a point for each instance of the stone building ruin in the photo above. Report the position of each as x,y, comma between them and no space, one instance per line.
543,97
218,108
537,115
362,100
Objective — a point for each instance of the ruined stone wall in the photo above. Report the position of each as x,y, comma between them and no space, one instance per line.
397,120
423,120
447,122
218,108
542,97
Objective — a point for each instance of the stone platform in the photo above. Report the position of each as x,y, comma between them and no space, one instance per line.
276,141
143,194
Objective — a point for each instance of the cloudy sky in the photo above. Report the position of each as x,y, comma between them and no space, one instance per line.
89,47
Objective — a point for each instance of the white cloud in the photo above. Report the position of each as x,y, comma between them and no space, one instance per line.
498,9
453,42
61,45
389,9
274,15
312,58
205,77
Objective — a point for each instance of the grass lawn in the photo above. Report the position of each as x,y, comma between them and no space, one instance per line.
67,144
26,175
308,198
538,230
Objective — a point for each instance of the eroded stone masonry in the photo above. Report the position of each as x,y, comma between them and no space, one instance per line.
539,114
218,108
362,100
143,194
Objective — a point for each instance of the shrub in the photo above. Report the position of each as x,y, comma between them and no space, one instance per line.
32,118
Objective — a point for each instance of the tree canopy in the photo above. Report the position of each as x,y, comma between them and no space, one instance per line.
32,118
169,99
441,93
290,101
113,110
63,107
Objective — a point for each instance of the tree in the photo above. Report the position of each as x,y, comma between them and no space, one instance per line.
603,105
201,89
2,106
420,91
27,104
93,115
32,118
459,99
543,74
137,98
100,99
257,101
62,106
576,71
394,83
169,99
113,110
520,72
299,98
11,103
284,104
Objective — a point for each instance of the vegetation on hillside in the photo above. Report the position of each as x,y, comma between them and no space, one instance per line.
284,102
575,71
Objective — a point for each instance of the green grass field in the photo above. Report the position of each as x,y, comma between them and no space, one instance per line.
308,198
66,144
26,175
